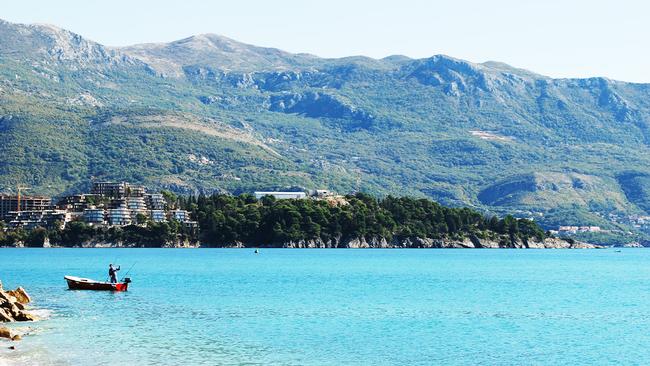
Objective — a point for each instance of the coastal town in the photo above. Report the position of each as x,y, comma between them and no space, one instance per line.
107,204
112,204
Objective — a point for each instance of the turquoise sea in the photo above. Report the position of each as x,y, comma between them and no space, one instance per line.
336,307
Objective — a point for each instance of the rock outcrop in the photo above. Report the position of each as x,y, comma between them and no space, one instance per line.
322,105
9,334
13,306
633,245
415,242
21,295
120,244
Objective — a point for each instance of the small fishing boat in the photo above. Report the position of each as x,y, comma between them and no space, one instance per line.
77,283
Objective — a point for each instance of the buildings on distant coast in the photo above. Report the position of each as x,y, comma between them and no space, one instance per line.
9,203
116,204
578,229
638,222
108,204
281,195
313,193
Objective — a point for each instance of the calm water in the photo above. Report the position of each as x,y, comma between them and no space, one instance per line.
337,307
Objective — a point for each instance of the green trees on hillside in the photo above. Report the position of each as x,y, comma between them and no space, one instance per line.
225,220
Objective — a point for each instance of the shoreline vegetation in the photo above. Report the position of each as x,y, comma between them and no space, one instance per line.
354,221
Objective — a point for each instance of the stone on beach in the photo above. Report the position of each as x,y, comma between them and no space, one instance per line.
4,296
12,306
21,295
24,316
13,310
9,334
5,316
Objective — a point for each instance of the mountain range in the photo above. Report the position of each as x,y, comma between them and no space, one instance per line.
208,113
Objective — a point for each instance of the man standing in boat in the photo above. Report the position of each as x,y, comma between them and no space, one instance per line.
112,272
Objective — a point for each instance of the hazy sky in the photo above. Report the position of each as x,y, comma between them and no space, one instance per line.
568,38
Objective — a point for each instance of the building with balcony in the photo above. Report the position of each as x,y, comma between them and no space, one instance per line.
157,215
78,202
155,201
179,215
110,189
136,205
27,203
119,216
49,219
94,216
135,190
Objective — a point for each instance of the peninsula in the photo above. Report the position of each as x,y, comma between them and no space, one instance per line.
120,214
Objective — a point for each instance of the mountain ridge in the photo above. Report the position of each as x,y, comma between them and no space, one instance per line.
128,49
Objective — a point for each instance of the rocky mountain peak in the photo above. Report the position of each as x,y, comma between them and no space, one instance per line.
216,52
46,42
210,42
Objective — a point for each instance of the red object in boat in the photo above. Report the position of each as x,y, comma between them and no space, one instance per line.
77,283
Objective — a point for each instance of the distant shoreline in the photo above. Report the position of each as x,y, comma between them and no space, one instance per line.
362,243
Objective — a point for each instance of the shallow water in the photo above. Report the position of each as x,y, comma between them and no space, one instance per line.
336,307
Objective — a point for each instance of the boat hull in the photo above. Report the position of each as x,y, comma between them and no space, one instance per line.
76,283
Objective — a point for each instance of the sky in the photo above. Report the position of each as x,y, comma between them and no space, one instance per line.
568,38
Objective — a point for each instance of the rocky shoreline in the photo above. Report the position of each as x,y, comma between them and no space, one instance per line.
13,308
467,243
472,242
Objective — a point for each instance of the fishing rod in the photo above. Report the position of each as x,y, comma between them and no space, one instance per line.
127,272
